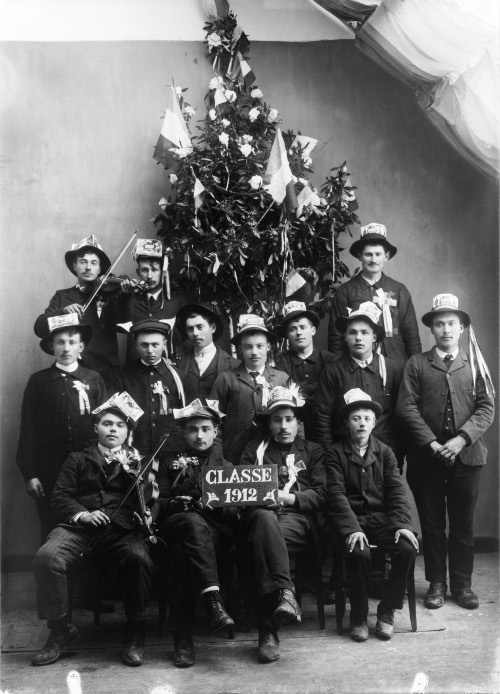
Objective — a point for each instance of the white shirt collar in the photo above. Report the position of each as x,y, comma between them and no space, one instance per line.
155,295
304,356
155,364
363,362
107,452
69,368
209,349
259,371
442,354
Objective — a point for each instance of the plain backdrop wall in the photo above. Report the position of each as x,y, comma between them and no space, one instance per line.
77,141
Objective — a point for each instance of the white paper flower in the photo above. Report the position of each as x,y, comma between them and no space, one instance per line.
189,111
253,114
245,149
212,114
173,179
256,93
247,138
272,115
163,203
256,182
214,40
182,152
225,122
215,82
178,91
307,161
304,181
224,139
230,95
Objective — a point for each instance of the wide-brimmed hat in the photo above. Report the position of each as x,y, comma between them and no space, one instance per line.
292,311
358,399
200,407
124,404
87,245
367,311
147,248
279,396
375,234
57,324
148,325
205,310
445,303
249,322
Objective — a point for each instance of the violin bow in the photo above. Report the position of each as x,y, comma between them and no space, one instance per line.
108,272
129,491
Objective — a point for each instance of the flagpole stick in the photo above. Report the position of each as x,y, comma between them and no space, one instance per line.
231,334
260,220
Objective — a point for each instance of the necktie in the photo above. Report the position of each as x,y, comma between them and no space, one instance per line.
447,361
151,301
254,375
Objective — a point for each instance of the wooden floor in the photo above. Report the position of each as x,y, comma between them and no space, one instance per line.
454,651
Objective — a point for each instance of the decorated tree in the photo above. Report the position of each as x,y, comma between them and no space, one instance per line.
248,236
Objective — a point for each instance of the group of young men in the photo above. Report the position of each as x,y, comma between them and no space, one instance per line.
338,425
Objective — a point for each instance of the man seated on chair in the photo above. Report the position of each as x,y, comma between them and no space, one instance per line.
91,511
283,529
194,533
367,503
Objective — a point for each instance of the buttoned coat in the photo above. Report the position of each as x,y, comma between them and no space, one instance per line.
421,404
102,351
358,487
196,386
350,294
241,401
340,377
52,425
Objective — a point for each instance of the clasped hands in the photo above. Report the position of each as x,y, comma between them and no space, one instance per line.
448,451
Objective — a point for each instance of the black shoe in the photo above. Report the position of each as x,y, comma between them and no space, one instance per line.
133,653
218,618
184,655
435,596
359,632
58,639
465,598
268,650
384,629
288,609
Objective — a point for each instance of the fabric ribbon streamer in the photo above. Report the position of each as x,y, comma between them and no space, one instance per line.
262,449
384,301
292,473
178,383
83,398
476,356
158,389
382,368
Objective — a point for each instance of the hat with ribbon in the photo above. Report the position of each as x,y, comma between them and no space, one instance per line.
208,409
57,324
356,399
205,310
249,322
374,234
87,245
445,303
124,404
366,311
294,310
279,396
147,248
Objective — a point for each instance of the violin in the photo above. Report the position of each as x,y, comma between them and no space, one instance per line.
111,285
147,495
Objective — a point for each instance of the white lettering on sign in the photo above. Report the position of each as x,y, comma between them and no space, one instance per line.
235,476
240,485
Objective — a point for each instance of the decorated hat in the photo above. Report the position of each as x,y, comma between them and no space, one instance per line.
279,396
445,303
57,324
88,245
292,311
200,408
249,322
367,311
205,310
376,234
148,325
357,399
124,404
147,248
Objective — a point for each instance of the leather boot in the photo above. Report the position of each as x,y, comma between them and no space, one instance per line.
133,639
61,634
218,618
184,654
268,650
288,609
435,596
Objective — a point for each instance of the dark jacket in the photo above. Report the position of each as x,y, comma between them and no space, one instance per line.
310,486
241,401
306,373
421,405
196,386
406,339
51,424
102,350
340,377
139,381
357,487
87,483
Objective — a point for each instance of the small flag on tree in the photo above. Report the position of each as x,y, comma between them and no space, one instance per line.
174,133
307,196
348,196
198,193
278,180
241,71
307,144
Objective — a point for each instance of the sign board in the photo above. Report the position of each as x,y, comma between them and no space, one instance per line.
240,485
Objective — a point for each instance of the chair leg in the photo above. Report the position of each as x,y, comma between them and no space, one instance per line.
340,593
320,599
412,603
298,579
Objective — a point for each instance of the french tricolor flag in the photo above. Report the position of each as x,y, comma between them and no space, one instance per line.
174,133
278,180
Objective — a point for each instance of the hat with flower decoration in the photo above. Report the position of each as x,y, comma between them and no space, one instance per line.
200,407
294,310
87,245
367,311
57,324
445,303
125,405
147,248
249,322
356,399
374,234
281,396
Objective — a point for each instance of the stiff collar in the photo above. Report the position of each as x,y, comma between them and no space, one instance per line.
154,295
363,363
56,372
442,354
107,452
71,368
355,364
209,350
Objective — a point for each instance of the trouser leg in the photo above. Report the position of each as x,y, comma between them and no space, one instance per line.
462,493
184,595
358,564
296,530
46,517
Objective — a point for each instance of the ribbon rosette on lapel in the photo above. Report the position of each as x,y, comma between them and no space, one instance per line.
161,390
266,387
292,474
384,300
83,398
127,459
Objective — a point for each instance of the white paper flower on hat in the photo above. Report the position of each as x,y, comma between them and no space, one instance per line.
354,395
374,228
296,393
294,306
